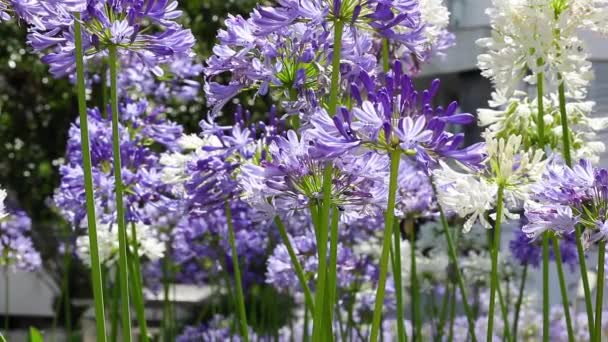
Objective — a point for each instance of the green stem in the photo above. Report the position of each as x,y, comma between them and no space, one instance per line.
540,119
565,123
545,246
385,55
520,298
459,278
599,299
398,285
386,244
166,300
237,276
444,310
583,269
416,306
123,262
546,287
136,286
296,264
564,290
505,314
7,297
494,277
319,322
88,184
333,264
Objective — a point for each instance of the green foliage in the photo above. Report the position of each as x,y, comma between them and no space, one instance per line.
35,335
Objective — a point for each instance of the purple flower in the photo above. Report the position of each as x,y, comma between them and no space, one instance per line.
123,24
395,115
568,196
16,247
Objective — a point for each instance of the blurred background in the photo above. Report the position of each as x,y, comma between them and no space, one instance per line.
36,112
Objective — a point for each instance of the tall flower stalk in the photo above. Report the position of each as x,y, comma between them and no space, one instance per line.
123,261
563,288
240,299
386,243
88,185
495,249
320,301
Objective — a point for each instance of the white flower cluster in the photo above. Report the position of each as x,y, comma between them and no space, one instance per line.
532,37
472,194
149,244
3,212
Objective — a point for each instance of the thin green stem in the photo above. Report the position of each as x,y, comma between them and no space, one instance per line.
7,298
565,123
67,305
459,278
444,310
123,262
599,299
564,290
237,276
546,287
452,316
88,184
416,305
333,263
319,322
295,263
398,284
495,249
586,289
520,298
136,286
386,244
385,55
540,119
505,314
545,245
166,300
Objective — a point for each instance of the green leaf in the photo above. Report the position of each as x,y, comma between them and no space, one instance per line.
35,335
2,339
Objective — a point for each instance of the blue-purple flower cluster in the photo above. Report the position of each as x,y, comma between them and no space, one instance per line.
17,250
567,197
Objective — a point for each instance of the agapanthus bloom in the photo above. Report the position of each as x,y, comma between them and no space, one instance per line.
291,180
473,193
149,244
17,250
540,36
147,198
567,197
395,115
145,30
520,115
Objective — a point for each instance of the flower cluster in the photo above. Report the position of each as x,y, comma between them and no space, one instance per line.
567,197
395,116
144,30
17,250
290,47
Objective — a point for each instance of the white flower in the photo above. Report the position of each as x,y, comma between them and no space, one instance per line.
175,163
527,35
149,243
472,194
3,212
519,118
465,194
437,18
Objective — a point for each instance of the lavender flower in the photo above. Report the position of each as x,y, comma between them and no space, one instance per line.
17,249
569,196
395,115
123,24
